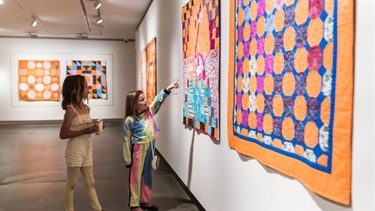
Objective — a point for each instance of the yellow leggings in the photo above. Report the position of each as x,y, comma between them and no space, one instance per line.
88,179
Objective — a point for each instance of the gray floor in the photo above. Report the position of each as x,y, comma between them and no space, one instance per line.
33,172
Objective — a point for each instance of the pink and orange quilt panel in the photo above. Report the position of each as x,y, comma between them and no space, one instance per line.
201,39
39,80
290,89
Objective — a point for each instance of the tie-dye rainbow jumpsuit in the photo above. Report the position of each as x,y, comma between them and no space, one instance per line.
139,137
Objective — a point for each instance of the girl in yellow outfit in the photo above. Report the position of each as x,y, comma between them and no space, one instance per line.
77,127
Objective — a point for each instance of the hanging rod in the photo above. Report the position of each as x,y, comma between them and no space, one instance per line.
85,15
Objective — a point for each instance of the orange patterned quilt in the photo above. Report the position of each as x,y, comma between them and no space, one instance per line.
290,97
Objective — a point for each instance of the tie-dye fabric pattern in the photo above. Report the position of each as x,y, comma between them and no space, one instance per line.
139,133
140,179
143,129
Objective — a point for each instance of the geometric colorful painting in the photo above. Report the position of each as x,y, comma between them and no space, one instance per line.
95,72
290,94
201,70
39,80
151,70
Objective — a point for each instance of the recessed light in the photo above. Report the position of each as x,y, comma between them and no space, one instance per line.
98,4
99,20
34,23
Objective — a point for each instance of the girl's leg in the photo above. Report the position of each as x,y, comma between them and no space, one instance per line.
71,182
146,189
135,174
88,179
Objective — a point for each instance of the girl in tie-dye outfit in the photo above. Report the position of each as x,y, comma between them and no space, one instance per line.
140,132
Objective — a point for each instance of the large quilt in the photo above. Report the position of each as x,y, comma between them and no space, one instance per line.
290,94
201,39
148,70
143,71
151,70
95,72
39,80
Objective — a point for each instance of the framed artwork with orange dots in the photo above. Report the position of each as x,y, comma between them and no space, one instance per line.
290,94
39,80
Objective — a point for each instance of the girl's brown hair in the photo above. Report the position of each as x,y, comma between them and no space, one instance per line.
73,90
131,101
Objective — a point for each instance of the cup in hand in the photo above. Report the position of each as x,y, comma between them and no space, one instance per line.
99,123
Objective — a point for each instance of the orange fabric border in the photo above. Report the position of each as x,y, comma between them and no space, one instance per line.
335,186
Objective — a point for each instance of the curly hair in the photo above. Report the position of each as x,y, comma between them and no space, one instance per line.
73,90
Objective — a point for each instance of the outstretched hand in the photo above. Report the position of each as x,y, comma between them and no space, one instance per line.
174,85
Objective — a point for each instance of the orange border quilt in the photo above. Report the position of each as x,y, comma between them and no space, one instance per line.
290,95
148,70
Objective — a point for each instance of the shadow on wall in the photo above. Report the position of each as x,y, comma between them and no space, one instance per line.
192,153
191,159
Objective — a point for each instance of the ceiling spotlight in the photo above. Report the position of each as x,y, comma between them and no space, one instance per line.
97,4
1,2
99,20
34,23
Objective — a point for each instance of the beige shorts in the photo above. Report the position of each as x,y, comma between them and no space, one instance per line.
78,152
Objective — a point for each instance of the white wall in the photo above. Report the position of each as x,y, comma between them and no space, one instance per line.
120,71
219,177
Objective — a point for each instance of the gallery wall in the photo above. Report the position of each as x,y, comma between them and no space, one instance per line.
120,58
219,177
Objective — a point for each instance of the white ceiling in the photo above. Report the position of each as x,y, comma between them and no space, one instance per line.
66,19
